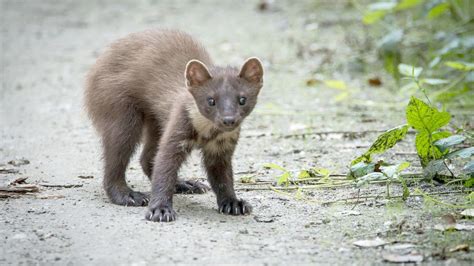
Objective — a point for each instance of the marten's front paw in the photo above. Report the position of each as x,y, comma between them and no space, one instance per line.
160,213
235,207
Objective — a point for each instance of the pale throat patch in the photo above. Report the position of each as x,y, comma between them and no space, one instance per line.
205,129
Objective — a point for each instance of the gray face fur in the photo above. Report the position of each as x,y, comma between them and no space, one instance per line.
225,96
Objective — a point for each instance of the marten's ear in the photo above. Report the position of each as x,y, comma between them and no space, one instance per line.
252,71
196,73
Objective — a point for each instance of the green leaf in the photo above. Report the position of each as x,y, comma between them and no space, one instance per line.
284,179
361,169
274,166
409,88
406,191
425,148
382,5
373,16
469,183
299,195
403,166
434,167
422,117
384,142
390,43
409,71
304,174
406,4
446,96
463,153
469,168
393,171
370,177
459,65
444,144
336,84
434,81
438,10
323,172
470,198
434,62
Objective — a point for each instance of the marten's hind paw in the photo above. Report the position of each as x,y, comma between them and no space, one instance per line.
130,198
191,187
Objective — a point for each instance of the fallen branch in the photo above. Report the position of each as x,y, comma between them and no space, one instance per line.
319,133
20,188
60,185
355,199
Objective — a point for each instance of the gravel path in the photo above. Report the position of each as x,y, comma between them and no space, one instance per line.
47,47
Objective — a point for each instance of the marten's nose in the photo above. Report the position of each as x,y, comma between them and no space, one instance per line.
228,120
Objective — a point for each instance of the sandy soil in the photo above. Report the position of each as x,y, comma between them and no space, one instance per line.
47,47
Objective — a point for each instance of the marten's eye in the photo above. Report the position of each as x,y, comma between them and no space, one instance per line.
242,100
211,101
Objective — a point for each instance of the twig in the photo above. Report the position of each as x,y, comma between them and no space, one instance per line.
358,197
60,185
427,195
21,188
451,172
396,196
320,133
295,187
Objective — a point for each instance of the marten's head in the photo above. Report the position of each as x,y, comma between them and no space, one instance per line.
225,96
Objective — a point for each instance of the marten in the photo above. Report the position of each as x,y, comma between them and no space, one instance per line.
161,87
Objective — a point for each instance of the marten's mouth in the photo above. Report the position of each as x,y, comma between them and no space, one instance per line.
227,128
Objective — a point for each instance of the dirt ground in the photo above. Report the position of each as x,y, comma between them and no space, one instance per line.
47,47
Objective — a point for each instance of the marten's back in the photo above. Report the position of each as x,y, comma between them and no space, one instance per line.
143,70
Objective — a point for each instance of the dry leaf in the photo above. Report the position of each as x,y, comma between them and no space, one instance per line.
464,227
462,247
458,227
400,246
264,219
370,243
375,82
19,162
8,170
350,213
20,180
47,196
468,213
311,82
4,195
85,176
398,258
449,218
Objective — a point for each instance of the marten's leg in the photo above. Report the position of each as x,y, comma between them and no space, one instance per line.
152,134
171,155
220,176
120,136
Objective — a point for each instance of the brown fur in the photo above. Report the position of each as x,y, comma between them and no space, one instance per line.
155,86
